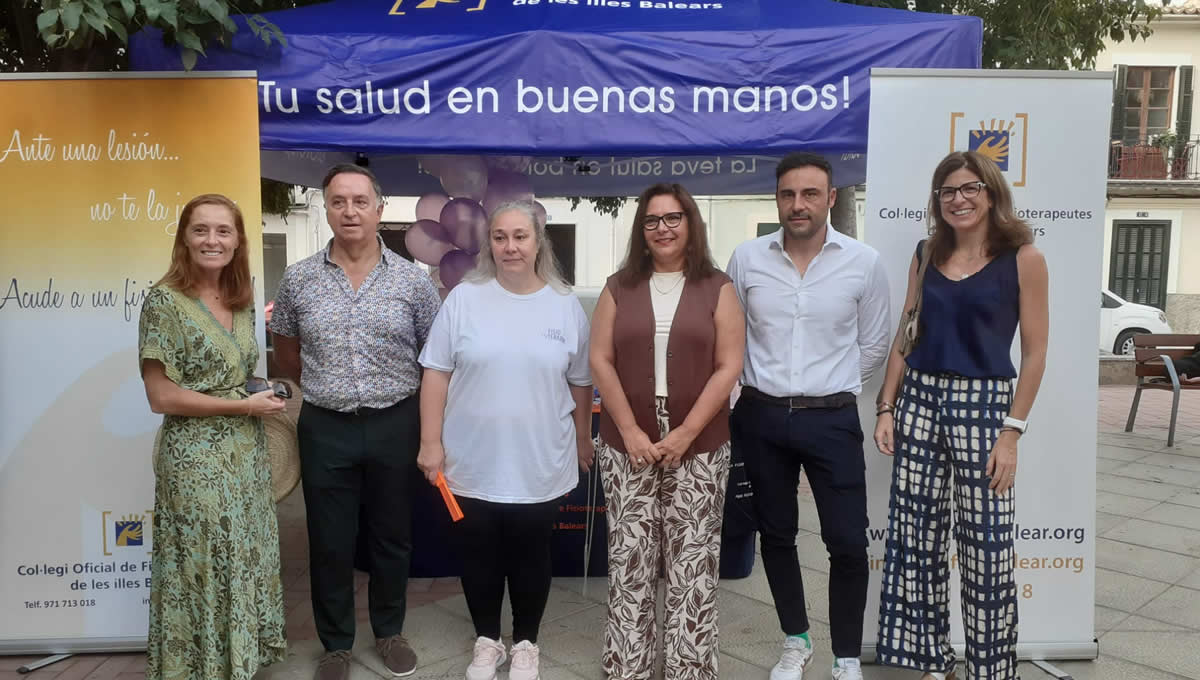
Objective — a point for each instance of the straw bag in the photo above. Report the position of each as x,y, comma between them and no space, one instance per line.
283,453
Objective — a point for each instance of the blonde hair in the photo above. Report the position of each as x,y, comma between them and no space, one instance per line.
545,266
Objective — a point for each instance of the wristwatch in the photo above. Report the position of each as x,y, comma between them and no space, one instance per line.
1011,423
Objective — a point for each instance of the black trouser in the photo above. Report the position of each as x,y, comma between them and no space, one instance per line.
499,542
776,442
351,463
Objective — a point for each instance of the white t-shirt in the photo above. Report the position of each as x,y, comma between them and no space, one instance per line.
507,431
665,291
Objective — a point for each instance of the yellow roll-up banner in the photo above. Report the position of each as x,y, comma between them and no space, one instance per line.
94,170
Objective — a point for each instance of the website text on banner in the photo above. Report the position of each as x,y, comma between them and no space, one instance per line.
1046,131
98,169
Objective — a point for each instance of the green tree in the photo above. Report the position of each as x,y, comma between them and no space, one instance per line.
93,35
1043,34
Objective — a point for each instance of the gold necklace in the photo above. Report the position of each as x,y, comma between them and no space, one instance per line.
670,288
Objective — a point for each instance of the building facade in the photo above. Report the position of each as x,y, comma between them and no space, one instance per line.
1152,220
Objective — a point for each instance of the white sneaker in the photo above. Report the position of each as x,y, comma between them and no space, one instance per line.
849,668
489,654
524,661
796,655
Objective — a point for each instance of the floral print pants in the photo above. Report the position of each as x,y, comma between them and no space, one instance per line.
668,522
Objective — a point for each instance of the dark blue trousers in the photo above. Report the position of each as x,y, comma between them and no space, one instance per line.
352,464
777,442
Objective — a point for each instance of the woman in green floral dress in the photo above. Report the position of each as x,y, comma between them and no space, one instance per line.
216,599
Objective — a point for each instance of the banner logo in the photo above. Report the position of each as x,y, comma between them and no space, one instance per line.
127,532
431,4
1004,140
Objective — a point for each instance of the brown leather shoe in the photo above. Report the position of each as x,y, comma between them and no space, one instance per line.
334,666
398,657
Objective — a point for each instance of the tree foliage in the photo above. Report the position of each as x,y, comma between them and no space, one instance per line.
603,205
277,197
93,35
1043,34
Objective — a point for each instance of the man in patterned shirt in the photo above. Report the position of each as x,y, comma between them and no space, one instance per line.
348,325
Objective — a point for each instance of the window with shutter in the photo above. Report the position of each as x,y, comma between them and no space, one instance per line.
1138,264
1183,110
1148,94
1117,126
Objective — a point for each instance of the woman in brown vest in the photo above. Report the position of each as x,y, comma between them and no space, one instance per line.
668,336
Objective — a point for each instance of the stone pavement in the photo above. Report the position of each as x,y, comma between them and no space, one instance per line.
1147,585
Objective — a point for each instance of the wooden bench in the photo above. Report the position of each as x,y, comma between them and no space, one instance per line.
1154,372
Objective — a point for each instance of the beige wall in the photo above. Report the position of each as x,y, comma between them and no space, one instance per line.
1183,265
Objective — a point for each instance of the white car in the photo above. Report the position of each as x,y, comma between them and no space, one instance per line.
1121,320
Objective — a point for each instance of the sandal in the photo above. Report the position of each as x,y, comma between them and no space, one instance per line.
931,675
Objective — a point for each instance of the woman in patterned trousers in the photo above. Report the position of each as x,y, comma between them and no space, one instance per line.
955,425
667,341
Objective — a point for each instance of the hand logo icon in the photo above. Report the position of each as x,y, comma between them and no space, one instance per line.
992,140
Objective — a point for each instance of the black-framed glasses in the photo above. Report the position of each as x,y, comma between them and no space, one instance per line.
671,219
968,190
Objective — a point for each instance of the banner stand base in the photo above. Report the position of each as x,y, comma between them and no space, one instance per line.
1052,670
1037,653
29,668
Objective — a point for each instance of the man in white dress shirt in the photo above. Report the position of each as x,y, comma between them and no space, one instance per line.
817,327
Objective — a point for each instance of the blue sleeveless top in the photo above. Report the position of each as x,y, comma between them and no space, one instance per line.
967,326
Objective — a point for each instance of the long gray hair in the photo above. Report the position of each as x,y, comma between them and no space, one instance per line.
545,266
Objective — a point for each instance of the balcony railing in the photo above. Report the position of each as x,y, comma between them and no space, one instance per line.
1179,161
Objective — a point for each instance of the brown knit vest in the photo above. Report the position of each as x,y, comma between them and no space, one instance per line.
691,358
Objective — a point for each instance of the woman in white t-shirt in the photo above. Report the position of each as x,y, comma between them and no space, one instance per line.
506,403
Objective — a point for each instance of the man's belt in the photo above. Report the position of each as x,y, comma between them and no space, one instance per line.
362,410
829,401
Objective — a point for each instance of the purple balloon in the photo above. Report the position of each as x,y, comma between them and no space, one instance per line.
429,206
453,266
465,177
541,213
512,163
465,223
504,186
427,241
435,165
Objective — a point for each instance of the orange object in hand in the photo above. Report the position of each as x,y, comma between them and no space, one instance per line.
456,512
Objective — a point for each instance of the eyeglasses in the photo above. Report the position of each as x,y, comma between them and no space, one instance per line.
968,190
671,219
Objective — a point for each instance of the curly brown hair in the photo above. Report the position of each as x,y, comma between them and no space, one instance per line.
1006,231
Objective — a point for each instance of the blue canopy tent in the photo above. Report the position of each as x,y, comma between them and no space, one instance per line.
710,93
608,96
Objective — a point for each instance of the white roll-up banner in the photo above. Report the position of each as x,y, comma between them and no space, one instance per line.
1048,132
